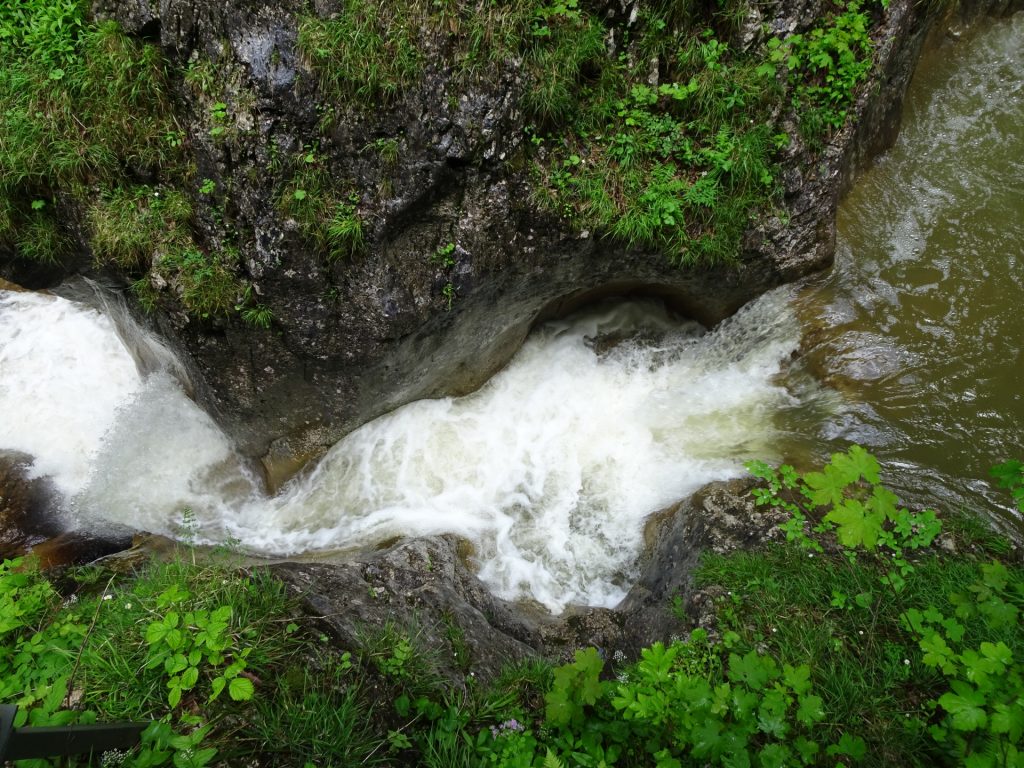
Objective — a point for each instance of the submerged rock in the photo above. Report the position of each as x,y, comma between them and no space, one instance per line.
26,504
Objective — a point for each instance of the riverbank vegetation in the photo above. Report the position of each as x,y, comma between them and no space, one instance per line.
661,130
87,114
857,641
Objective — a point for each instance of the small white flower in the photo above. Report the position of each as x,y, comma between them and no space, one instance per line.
860,631
127,606
108,597
810,554
907,662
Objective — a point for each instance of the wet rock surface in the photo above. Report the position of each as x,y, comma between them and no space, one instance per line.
25,506
423,587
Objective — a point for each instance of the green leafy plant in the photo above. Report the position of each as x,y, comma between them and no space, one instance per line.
130,224
219,116
387,150
207,284
187,643
445,255
1010,475
331,221
259,315
824,66
971,637
853,504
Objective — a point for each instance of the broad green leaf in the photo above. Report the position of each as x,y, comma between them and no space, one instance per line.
797,678
189,678
1009,719
156,632
775,756
851,746
855,525
883,502
995,575
241,689
222,615
999,653
771,715
752,669
937,653
967,713
811,710
855,464
218,686
999,612
979,760
806,749
174,639
823,489
707,738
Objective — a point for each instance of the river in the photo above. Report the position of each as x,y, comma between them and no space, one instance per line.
920,325
911,347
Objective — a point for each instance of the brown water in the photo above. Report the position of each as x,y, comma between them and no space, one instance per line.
920,325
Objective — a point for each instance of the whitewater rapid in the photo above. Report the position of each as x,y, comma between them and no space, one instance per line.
549,470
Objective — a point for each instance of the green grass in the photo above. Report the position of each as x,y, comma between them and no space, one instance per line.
810,608
328,217
367,51
79,104
206,282
130,224
318,714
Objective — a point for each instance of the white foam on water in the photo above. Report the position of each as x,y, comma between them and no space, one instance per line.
164,455
63,374
550,469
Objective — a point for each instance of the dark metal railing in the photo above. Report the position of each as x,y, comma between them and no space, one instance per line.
61,741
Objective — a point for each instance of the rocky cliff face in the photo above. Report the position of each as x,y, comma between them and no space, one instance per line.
456,258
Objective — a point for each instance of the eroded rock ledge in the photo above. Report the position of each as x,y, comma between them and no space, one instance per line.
424,587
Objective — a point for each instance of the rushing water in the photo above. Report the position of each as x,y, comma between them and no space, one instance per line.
549,469
606,417
921,322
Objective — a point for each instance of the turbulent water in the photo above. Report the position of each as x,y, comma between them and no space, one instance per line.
549,470
604,418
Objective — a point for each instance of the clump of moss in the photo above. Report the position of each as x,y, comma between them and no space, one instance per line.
328,218
80,104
